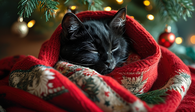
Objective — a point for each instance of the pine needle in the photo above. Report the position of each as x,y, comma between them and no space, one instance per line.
174,9
153,97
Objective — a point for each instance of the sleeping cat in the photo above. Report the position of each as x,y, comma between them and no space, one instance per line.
97,44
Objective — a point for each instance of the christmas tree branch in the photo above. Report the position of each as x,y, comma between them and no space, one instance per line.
174,9
171,9
92,4
49,7
26,7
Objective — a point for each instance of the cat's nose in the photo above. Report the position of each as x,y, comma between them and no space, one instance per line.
108,63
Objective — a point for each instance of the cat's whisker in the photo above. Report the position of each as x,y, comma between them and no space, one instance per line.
132,41
102,72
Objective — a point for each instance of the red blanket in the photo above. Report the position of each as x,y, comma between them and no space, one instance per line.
152,80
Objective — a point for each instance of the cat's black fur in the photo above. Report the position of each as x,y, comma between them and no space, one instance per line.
99,45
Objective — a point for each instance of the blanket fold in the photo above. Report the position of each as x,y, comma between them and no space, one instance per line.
153,79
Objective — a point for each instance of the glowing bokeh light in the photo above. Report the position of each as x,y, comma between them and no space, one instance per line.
192,39
150,17
56,10
73,7
119,1
31,23
172,38
146,2
178,40
107,8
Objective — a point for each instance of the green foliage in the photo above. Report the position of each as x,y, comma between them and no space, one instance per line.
26,7
91,89
174,9
92,4
49,7
171,9
153,97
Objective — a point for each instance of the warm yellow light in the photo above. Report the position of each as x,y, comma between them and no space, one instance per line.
192,39
31,23
56,10
73,7
146,2
150,17
107,8
61,15
178,40
119,1
132,17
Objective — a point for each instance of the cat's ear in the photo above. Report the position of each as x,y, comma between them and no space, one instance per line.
118,21
70,24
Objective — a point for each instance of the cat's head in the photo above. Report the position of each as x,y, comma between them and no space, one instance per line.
99,45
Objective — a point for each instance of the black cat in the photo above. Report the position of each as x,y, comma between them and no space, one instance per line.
99,45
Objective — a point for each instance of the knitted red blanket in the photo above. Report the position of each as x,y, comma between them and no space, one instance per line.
152,80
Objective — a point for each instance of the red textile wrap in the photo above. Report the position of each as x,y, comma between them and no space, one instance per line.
49,85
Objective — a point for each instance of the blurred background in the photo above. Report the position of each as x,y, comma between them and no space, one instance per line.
25,36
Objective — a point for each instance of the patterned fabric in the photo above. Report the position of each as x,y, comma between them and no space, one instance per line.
153,79
36,81
96,88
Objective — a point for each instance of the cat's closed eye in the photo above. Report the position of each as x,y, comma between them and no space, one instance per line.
115,48
94,51
90,47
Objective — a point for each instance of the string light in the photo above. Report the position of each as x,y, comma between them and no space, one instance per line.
73,7
150,17
56,10
119,1
192,39
146,2
107,8
31,23
178,40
